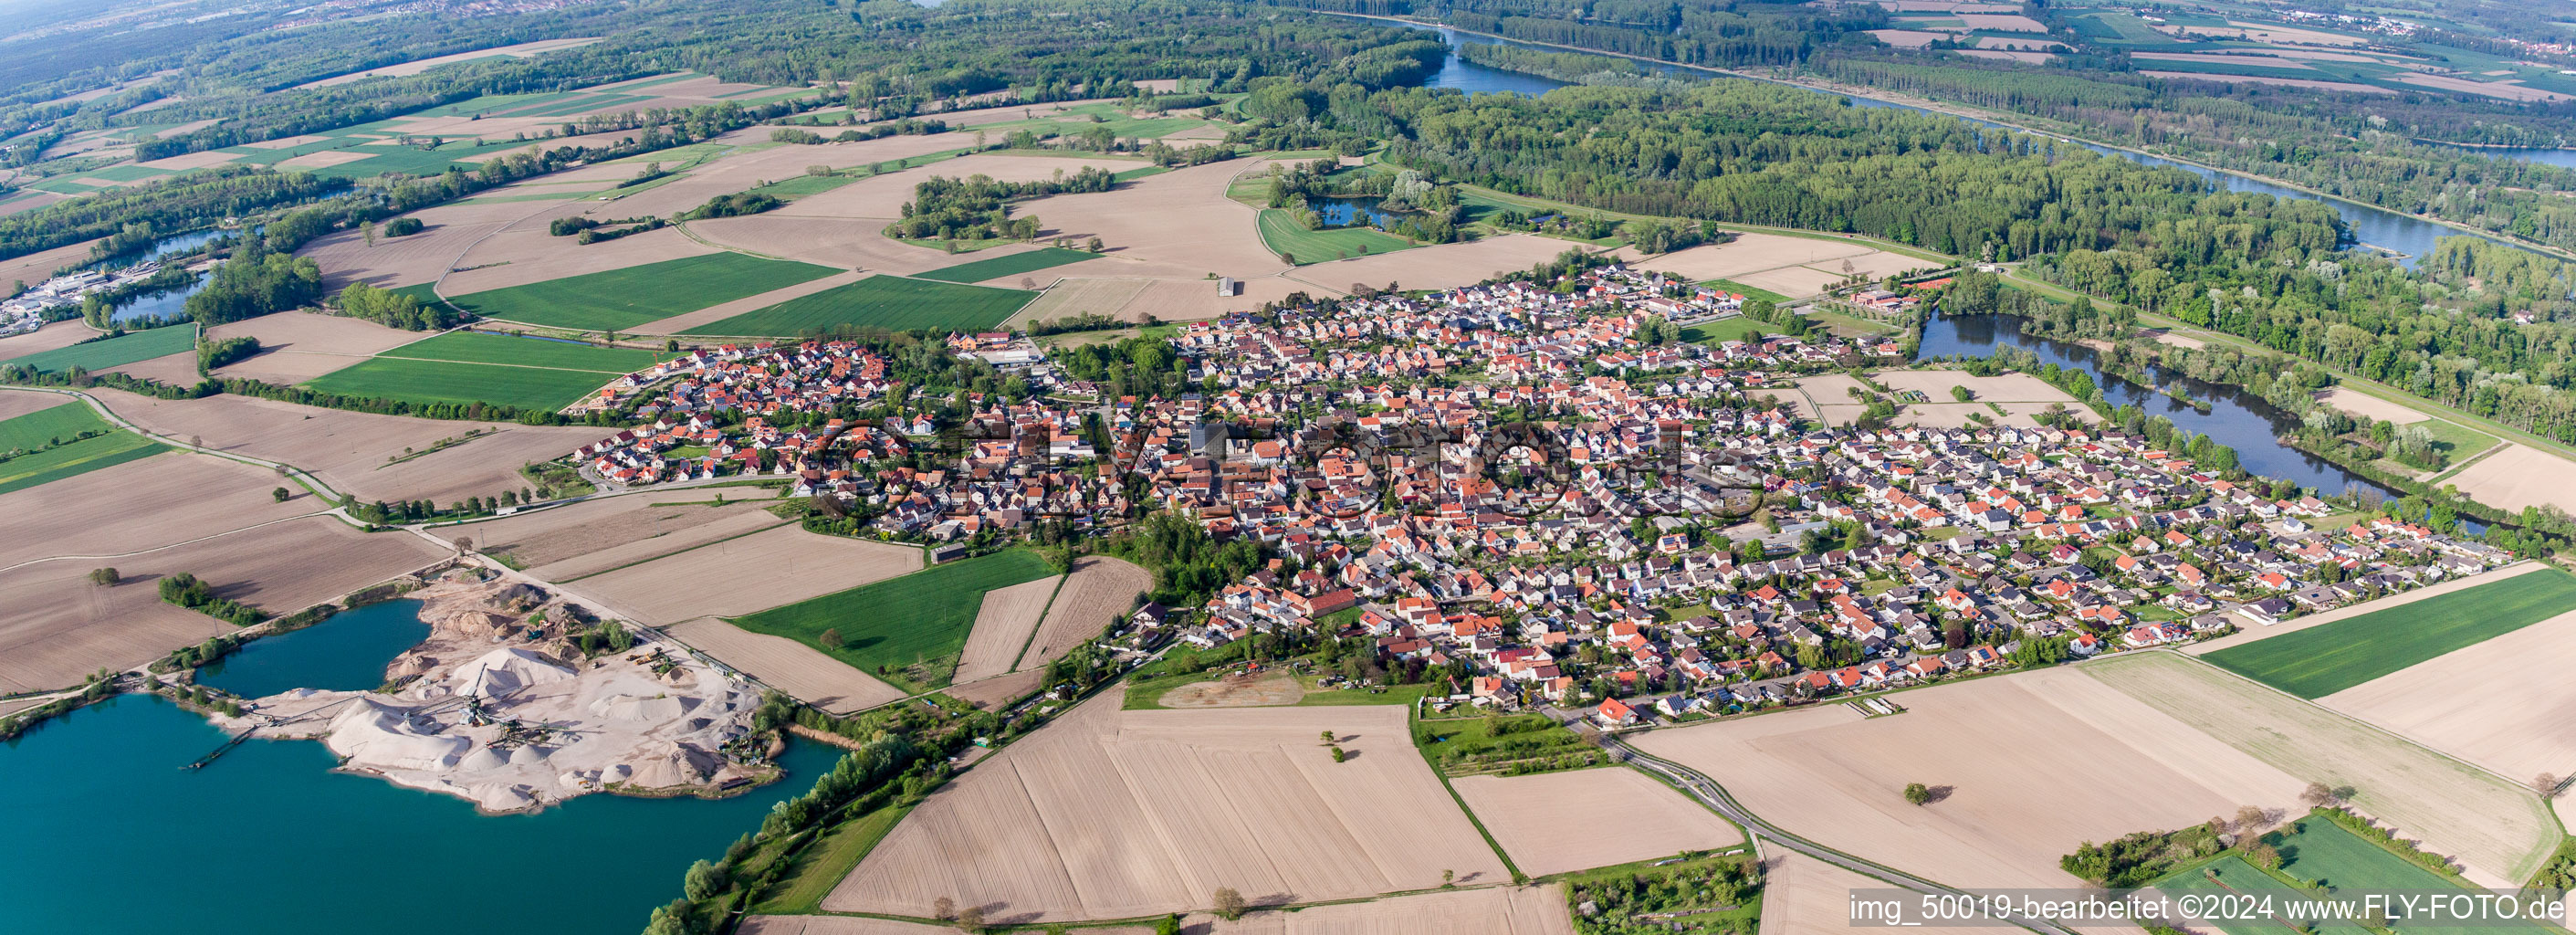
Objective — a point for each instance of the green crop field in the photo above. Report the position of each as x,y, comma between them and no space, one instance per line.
80,457
439,381
114,352
2331,657
2235,876
1738,328
624,298
1749,292
1013,265
891,302
1279,232
483,348
41,427
921,618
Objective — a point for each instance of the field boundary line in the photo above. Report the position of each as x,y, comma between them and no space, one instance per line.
685,551
1032,639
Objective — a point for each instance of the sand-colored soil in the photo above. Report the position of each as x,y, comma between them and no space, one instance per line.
715,313
178,369
143,504
2499,89
1138,223
2027,58
196,160
521,50
2249,631
2369,407
2500,704
351,451
1805,896
1751,253
28,201
1793,281
1111,814
39,266
298,346
526,256
1235,691
1535,910
2002,388
2002,22
565,542
2026,762
58,334
2220,59
1100,588
2518,476
1008,618
2267,79
2497,829
1908,38
1557,822
885,195
325,159
61,626
1438,267
346,257
747,575
846,243
787,665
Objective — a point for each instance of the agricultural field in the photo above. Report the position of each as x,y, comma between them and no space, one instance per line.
1004,624
878,302
2488,704
75,456
2295,624
140,504
439,381
566,543
2519,476
2499,830
478,347
746,575
1012,265
1099,588
620,299
132,347
2006,806
1738,328
1108,814
63,626
1440,266
909,630
1551,823
369,456
1280,232
2322,660
296,346
792,667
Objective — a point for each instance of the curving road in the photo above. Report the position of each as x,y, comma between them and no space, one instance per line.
1709,793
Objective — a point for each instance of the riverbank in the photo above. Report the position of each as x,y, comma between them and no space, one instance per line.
501,706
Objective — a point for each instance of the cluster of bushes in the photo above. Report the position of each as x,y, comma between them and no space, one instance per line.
99,686
727,206
2137,859
187,591
221,351
403,227
948,209
2377,835
1685,897
396,310
596,235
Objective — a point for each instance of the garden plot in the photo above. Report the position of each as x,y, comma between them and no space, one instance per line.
2497,829
2020,766
1111,814
1554,823
1444,266
371,457
65,627
2498,704
747,575
788,666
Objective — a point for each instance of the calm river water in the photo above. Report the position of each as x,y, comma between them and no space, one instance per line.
109,835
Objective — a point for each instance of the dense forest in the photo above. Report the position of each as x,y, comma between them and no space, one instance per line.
171,204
